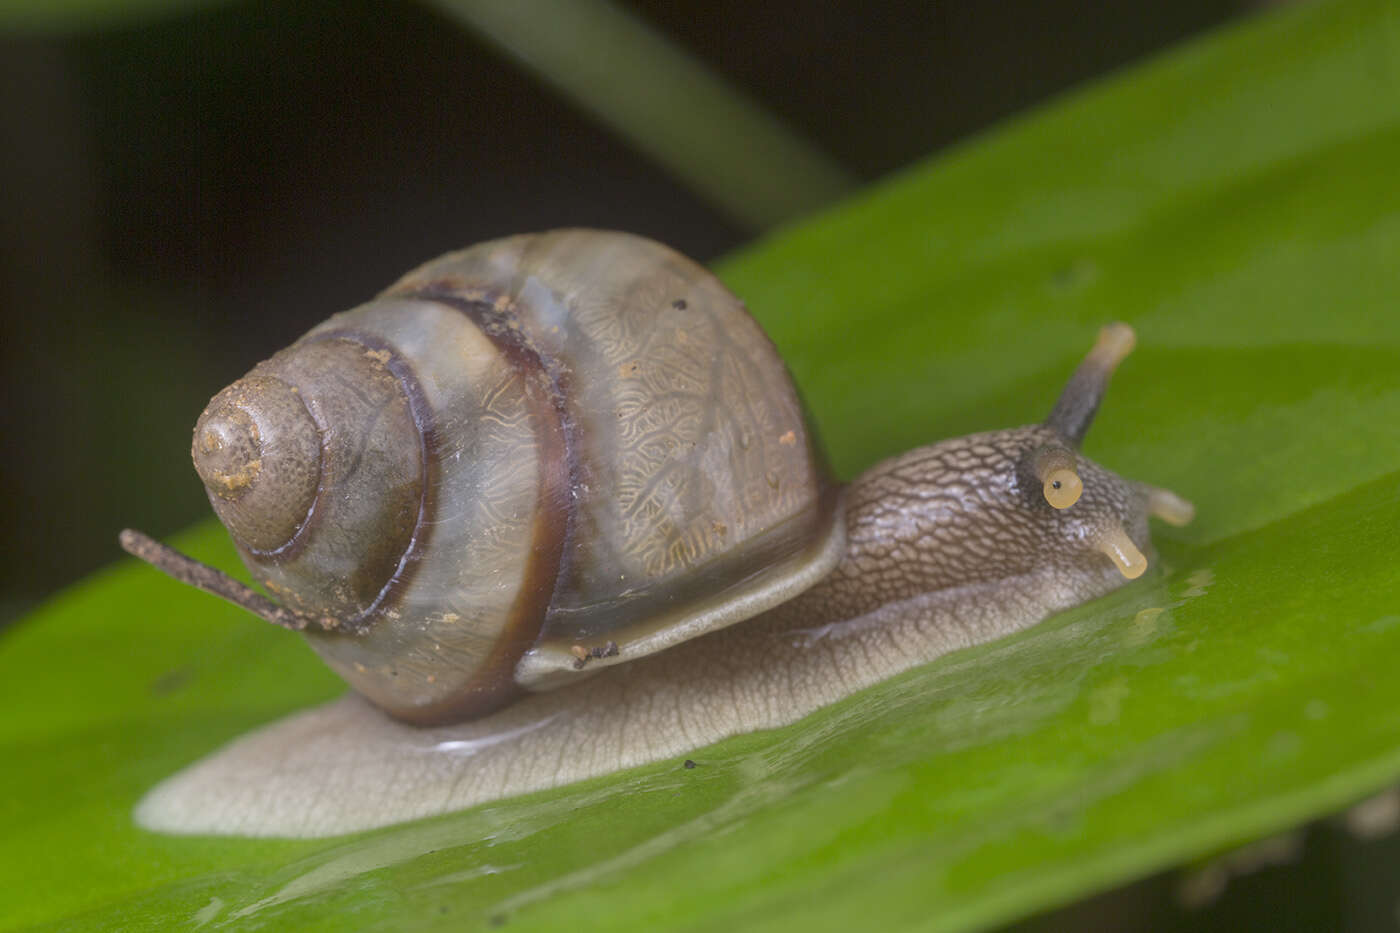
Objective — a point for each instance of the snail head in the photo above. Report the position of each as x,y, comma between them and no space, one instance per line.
1079,501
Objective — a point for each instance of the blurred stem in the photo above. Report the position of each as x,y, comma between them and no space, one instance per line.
665,102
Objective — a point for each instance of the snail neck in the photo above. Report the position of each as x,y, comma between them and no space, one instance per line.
963,515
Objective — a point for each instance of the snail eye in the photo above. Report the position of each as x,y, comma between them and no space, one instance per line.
1054,465
1063,487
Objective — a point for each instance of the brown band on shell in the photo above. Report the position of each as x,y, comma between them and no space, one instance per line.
419,411
429,445
493,684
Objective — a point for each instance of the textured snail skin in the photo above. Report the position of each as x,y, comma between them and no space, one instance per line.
948,546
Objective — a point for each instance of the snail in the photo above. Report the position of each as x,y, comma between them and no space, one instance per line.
557,492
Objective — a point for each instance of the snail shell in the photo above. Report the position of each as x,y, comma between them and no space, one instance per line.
517,453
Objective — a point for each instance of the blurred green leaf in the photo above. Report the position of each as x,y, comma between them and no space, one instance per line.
1238,202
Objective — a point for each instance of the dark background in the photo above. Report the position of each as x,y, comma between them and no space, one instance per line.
182,196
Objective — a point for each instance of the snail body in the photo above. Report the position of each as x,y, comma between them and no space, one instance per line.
572,460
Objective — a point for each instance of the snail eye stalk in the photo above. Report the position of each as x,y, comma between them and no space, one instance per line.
1079,401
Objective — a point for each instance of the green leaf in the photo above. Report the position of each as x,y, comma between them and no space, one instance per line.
1238,202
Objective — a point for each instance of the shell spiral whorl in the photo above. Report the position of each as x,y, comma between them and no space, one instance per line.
258,452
